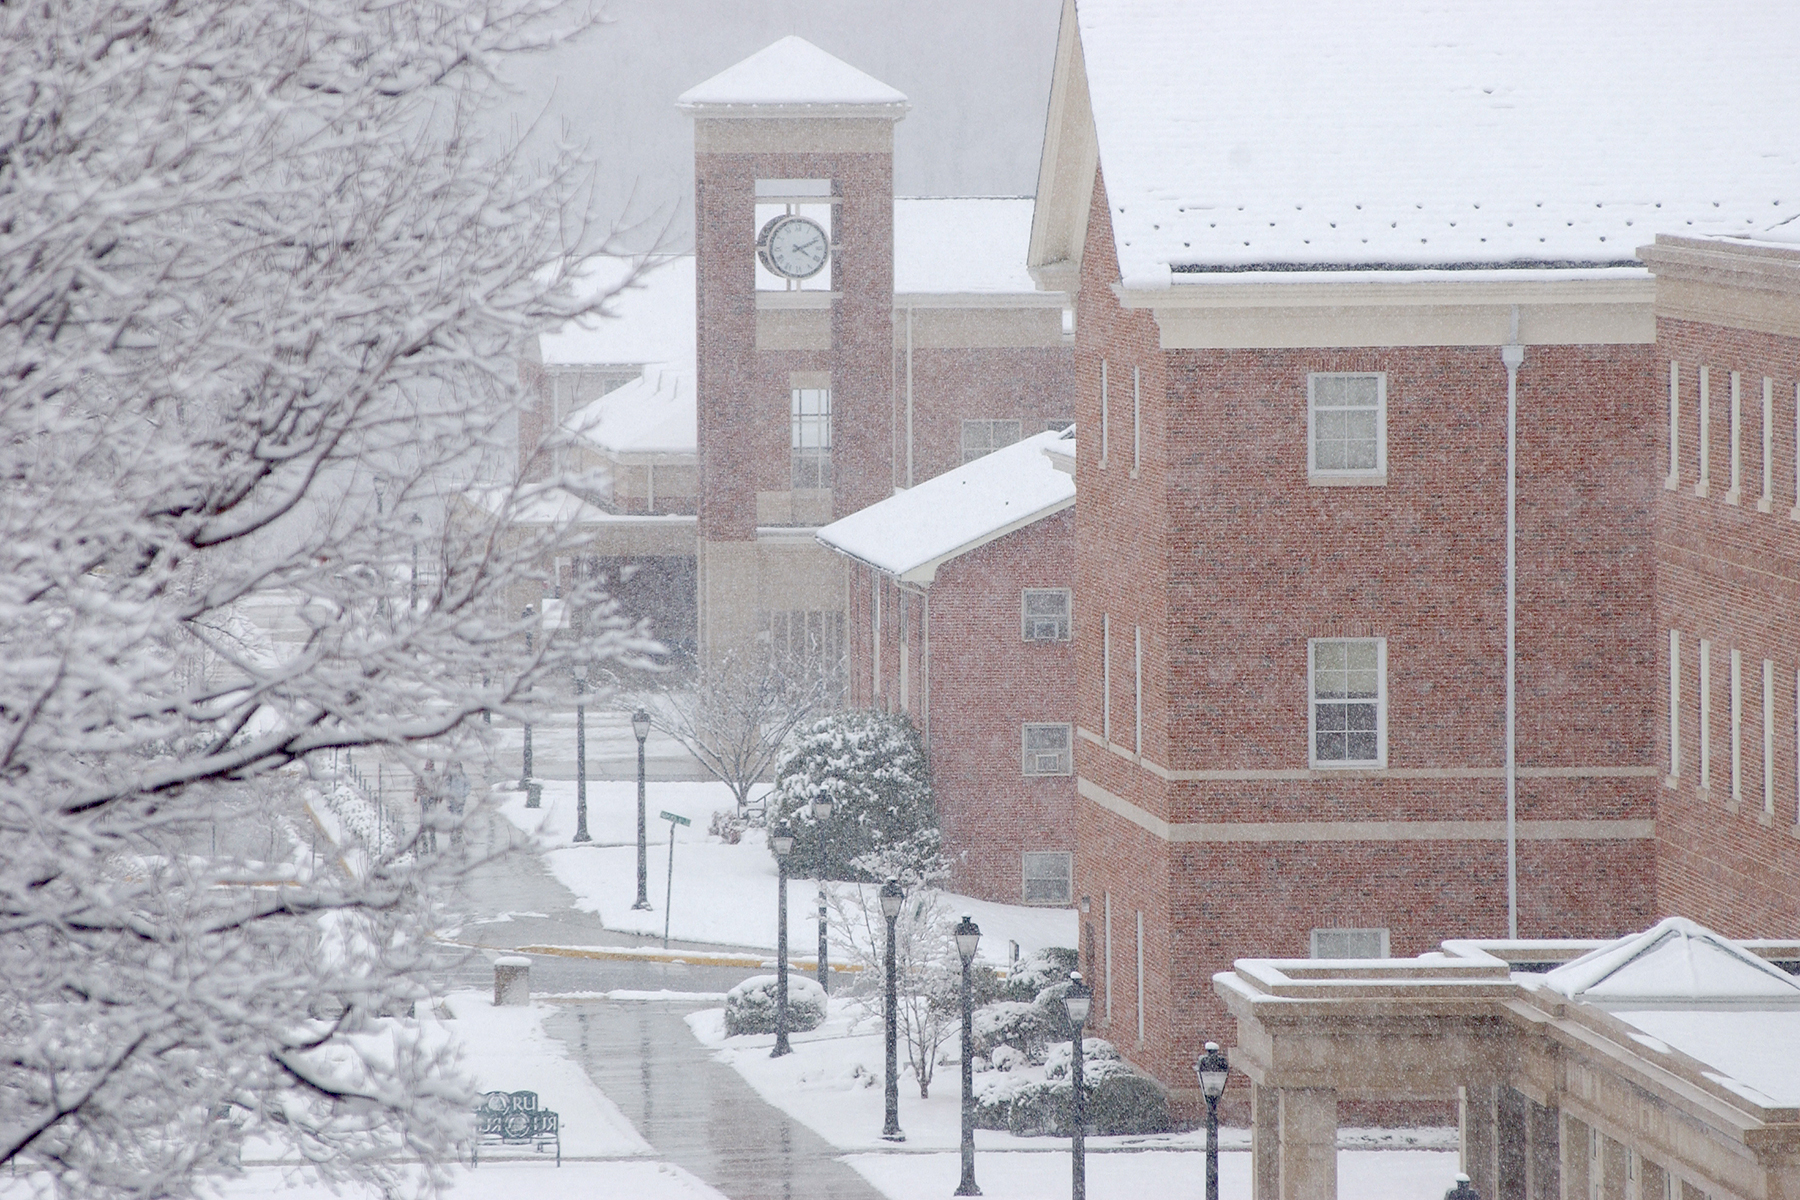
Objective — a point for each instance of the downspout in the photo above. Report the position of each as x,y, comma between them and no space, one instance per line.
1513,356
909,398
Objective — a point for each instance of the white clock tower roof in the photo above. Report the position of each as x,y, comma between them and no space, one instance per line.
792,77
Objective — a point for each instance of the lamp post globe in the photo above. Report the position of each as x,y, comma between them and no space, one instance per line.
1078,1001
581,829
782,841
821,812
892,897
968,939
640,726
1212,1069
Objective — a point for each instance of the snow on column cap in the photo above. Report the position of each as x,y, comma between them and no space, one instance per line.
792,77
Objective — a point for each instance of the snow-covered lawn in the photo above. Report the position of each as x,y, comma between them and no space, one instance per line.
723,894
638,1179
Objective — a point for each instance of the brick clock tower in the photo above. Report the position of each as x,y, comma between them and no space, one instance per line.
794,246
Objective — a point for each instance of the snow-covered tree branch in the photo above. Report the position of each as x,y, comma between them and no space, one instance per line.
262,286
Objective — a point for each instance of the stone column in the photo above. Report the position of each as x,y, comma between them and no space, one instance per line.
1512,1151
1572,1139
1615,1169
1265,1143
1308,1141
1546,1178
1477,1119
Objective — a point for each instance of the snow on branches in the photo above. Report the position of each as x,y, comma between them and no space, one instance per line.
262,288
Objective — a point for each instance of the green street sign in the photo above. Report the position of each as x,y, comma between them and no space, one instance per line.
679,820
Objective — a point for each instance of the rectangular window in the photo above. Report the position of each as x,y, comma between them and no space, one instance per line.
1768,737
1348,682
1140,974
1058,424
1767,501
1347,426
1109,971
1049,877
1044,614
1137,678
1735,492
812,438
1137,420
1674,479
1737,727
1705,713
1106,677
1104,422
1349,943
984,437
1046,750
1700,485
1674,705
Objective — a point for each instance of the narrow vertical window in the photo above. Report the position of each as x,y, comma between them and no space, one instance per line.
1737,727
1700,485
1768,789
1705,713
1106,678
811,438
1735,493
1107,901
1137,723
1674,705
1767,502
1140,973
1137,420
1674,479
1796,512
875,625
1349,695
1105,422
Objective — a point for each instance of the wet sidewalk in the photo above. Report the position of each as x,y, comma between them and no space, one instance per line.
697,1113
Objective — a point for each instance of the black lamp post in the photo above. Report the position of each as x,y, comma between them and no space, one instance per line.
1078,1000
640,725
821,811
783,843
1212,1068
891,899
968,937
1463,1190
525,779
581,829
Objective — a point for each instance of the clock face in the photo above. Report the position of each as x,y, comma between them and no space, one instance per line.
793,247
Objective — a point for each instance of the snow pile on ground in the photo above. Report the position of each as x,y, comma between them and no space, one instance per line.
572,1181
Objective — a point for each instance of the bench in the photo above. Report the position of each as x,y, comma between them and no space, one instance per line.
514,1119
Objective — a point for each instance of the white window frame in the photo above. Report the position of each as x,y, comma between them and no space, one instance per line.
810,437
1381,706
1030,757
1314,937
1027,617
1353,475
1043,858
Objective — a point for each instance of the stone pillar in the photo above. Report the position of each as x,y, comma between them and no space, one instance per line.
1265,1143
1572,1139
512,980
1614,1168
1477,1119
1546,1175
1512,1152
1308,1141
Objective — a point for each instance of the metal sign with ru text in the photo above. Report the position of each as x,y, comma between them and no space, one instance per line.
679,820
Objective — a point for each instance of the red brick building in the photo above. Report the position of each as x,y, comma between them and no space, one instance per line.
961,605
1339,693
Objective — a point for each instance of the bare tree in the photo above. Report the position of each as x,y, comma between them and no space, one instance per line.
735,713
252,258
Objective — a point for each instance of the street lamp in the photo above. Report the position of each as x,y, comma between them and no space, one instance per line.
525,778
783,843
821,811
640,725
1212,1068
1078,1000
581,829
968,937
891,899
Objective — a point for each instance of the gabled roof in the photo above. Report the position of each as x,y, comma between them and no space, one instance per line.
1675,964
790,74
912,533
654,414
1301,136
651,322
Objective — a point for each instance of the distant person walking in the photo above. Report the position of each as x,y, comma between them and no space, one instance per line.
456,789
426,792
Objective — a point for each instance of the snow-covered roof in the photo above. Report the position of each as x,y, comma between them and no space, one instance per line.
653,414
1675,964
1309,135
791,73
652,322
962,244
914,532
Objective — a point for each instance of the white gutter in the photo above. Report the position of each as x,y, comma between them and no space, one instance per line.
1513,356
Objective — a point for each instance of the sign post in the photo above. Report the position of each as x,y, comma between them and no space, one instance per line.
673,819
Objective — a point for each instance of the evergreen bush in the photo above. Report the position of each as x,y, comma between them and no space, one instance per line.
750,1006
872,767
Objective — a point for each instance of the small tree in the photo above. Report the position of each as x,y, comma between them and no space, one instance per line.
872,767
736,713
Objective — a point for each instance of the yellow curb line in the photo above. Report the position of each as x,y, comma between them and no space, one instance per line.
700,959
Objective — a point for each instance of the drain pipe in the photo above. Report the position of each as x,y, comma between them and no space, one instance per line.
1513,356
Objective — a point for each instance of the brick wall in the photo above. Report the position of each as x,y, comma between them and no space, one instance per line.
1029,384
1729,573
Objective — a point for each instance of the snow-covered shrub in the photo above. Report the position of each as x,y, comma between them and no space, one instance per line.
750,1006
1038,970
728,827
1008,1025
872,767
1119,1100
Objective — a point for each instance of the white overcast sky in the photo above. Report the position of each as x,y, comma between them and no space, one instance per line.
977,73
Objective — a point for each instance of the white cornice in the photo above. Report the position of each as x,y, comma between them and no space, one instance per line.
1358,290
730,112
